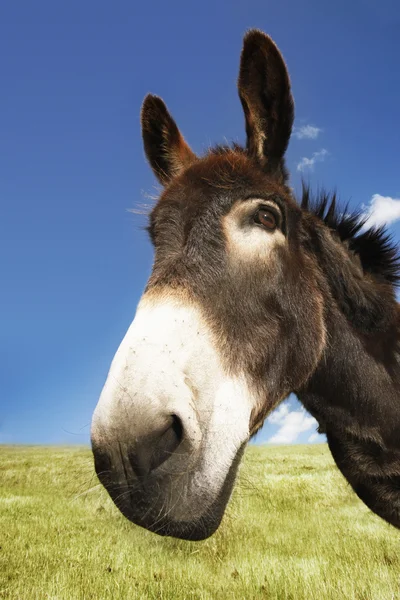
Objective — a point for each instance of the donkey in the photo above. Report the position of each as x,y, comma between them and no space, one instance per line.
251,297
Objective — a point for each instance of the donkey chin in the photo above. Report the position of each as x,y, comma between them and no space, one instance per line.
171,424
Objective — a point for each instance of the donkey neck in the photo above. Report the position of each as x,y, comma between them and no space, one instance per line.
356,386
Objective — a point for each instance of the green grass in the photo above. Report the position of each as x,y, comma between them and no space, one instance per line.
294,530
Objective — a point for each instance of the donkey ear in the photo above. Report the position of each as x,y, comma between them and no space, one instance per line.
166,150
264,90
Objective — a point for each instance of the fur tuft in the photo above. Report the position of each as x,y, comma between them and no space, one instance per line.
378,253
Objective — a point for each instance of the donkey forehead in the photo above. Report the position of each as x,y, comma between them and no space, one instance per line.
219,181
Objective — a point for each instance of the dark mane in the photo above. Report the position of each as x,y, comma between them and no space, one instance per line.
219,149
378,253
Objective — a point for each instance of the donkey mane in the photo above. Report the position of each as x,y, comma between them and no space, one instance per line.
377,251
219,149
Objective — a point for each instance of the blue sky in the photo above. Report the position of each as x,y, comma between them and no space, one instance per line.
74,261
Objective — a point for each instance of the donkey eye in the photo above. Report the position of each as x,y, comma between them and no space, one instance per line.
266,217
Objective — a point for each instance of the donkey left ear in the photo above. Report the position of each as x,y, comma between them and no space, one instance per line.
264,90
166,150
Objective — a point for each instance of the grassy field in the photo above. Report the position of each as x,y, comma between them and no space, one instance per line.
292,531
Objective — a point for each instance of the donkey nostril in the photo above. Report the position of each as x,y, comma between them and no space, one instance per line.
167,443
150,452
177,428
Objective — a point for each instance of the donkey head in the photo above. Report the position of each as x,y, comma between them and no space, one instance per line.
231,320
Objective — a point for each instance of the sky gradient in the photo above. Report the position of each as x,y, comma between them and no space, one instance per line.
74,260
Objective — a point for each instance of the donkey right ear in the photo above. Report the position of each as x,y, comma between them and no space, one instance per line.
166,150
264,90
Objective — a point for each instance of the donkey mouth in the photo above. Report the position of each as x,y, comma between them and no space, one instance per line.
166,505
196,530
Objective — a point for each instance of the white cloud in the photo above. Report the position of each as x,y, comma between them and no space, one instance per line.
279,414
307,132
308,163
292,423
382,210
313,437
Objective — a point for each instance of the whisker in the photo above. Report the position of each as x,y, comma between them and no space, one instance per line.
95,487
